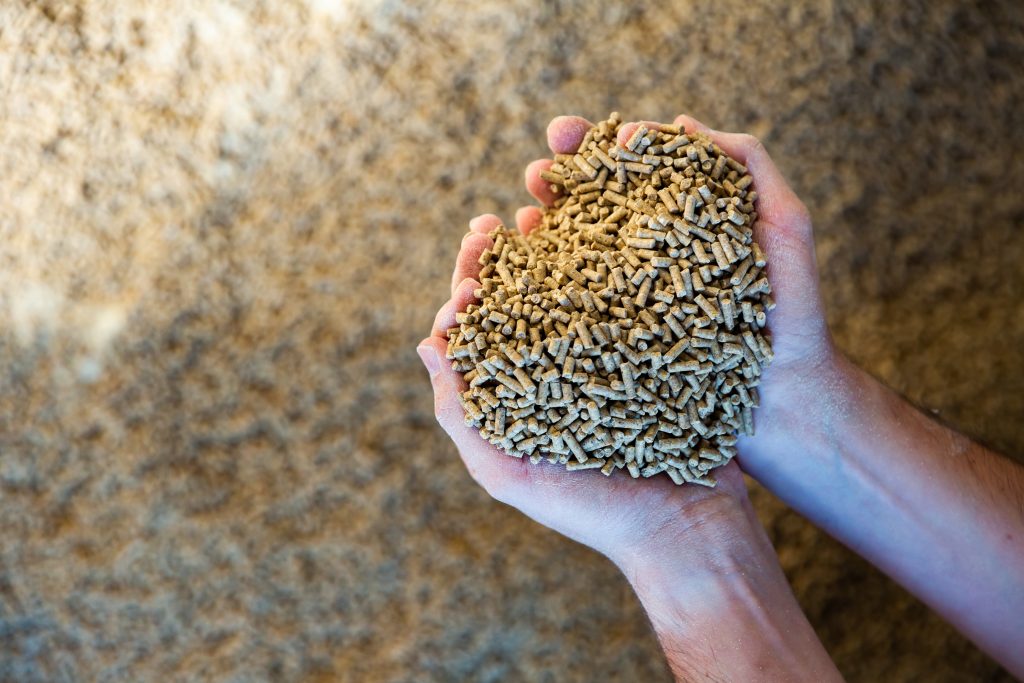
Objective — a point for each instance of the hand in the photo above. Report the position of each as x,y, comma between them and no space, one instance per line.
805,362
698,558
617,515
601,512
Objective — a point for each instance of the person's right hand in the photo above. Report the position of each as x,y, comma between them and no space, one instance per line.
804,368
939,514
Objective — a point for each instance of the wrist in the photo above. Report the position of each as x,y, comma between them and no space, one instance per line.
720,604
709,542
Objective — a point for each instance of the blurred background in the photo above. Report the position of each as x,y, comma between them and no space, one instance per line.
224,227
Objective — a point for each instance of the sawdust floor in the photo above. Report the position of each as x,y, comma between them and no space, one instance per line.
224,230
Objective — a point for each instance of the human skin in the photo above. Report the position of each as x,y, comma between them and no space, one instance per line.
938,513
825,432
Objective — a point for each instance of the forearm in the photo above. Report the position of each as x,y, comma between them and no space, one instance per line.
721,606
938,513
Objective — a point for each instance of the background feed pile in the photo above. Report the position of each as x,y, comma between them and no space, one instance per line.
628,329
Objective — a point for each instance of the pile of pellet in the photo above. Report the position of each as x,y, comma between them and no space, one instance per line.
628,329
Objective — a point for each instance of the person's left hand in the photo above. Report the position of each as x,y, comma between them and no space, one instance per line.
629,520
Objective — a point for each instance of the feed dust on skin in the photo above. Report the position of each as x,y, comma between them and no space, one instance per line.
627,331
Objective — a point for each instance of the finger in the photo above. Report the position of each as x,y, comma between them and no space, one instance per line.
777,203
498,473
467,263
627,129
484,223
461,298
527,219
691,125
537,186
565,133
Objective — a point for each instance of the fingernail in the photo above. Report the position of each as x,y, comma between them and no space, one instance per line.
429,357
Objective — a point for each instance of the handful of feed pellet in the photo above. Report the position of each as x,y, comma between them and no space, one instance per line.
628,329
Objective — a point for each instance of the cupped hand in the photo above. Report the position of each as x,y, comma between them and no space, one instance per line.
804,370
698,558
624,518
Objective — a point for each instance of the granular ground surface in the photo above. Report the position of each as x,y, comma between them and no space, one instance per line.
225,227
